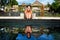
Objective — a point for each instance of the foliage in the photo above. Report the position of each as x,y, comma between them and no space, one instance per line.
3,2
13,2
21,9
55,6
8,2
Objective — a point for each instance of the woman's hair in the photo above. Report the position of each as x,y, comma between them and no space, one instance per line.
29,5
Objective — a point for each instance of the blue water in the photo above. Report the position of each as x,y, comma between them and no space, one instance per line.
10,36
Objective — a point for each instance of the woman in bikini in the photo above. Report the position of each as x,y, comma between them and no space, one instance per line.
28,12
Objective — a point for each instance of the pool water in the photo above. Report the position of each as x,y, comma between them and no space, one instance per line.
34,23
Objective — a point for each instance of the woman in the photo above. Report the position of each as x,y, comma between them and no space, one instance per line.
28,12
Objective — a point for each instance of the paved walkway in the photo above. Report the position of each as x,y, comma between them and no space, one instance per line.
32,17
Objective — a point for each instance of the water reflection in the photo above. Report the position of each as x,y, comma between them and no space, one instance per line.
8,34
9,28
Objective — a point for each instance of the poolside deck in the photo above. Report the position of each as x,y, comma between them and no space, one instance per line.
18,17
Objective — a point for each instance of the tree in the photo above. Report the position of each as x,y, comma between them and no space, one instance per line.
48,4
56,0
55,6
13,2
3,2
